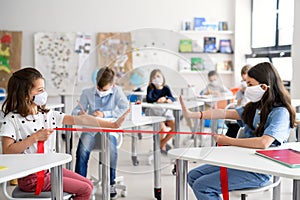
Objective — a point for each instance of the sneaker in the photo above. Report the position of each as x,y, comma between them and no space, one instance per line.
113,192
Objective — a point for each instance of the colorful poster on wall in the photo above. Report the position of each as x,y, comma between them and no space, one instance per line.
10,54
115,50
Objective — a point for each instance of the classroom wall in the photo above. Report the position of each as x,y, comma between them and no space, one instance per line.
295,90
94,16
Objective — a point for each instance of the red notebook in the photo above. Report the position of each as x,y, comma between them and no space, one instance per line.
287,157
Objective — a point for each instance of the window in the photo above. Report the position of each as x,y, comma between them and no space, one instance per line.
272,35
272,26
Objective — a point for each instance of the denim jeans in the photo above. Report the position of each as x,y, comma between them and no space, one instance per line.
205,181
85,146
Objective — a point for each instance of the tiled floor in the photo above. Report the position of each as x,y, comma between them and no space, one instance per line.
139,179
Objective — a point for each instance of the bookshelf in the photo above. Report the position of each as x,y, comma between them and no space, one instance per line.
217,58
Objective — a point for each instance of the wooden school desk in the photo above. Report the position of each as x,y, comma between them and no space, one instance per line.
235,158
20,165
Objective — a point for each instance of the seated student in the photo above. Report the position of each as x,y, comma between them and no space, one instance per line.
158,91
106,100
240,95
267,120
27,122
214,87
233,127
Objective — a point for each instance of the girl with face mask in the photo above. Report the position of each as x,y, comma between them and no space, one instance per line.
27,122
159,92
266,119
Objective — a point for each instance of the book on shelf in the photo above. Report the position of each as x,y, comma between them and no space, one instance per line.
199,23
287,157
210,45
196,64
225,46
185,45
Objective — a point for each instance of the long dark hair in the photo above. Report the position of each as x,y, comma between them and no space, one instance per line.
18,92
275,96
152,74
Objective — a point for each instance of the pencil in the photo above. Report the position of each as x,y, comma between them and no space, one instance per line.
80,105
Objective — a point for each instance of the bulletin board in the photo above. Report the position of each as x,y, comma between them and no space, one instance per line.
10,54
59,57
115,51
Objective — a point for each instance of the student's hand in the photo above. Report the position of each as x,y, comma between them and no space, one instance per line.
216,93
162,100
169,101
120,120
98,114
221,139
43,134
185,111
82,113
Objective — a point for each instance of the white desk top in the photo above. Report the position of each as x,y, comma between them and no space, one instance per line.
172,106
295,103
211,98
237,158
54,105
20,165
143,121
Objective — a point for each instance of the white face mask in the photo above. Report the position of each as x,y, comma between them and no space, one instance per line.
158,81
40,99
254,93
104,93
214,82
244,84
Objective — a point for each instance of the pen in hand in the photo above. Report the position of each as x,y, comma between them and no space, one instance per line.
81,107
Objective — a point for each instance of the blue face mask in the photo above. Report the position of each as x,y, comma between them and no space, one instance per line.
40,99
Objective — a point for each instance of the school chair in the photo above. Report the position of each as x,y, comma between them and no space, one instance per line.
97,180
18,194
2,94
273,182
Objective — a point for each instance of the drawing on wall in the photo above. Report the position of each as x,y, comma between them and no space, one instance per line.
10,55
115,50
56,59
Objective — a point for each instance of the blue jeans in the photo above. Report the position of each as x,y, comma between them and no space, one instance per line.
205,181
85,146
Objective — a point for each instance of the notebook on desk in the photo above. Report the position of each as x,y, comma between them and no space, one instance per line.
287,157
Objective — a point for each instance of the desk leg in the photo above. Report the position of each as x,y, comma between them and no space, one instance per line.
56,182
276,190
296,189
69,141
156,155
177,128
134,159
214,129
105,155
181,179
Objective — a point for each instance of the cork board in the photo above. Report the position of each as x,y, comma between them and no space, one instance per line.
115,50
10,55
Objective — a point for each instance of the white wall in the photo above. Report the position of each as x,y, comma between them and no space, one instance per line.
94,16
295,90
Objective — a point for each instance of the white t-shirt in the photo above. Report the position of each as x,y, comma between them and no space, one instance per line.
18,128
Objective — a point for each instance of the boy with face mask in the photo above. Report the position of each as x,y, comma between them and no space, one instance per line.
214,87
106,100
